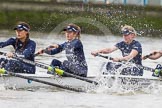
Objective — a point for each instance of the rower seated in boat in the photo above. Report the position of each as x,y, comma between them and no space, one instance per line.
73,47
131,51
153,56
24,48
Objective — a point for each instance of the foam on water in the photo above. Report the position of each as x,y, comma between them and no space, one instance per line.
2,87
97,96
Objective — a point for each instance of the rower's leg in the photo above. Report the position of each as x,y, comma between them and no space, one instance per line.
14,66
3,62
55,63
74,68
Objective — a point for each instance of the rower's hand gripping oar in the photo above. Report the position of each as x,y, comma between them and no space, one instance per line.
106,57
3,71
147,56
53,69
42,51
156,72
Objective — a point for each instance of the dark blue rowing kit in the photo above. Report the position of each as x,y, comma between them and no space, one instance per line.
25,50
126,49
75,63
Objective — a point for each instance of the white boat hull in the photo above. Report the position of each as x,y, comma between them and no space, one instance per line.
18,83
131,82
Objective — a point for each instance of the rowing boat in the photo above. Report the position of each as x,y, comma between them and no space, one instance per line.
19,83
42,79
130,82
127,82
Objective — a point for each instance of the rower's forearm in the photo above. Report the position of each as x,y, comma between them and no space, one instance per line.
106,51
156,56
126,58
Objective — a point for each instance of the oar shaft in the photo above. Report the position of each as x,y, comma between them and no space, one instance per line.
36,54
106,57
139,66
43,50
44,82
58,71
145,68
81,78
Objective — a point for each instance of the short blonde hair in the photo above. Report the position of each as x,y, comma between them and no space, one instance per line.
130,28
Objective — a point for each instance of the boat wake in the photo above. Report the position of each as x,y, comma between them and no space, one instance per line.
126,84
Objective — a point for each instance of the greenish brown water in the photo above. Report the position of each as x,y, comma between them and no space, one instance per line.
102,97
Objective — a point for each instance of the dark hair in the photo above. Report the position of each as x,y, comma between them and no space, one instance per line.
27,37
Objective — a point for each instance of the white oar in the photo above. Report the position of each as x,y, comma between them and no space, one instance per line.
53,69
155,71
2,71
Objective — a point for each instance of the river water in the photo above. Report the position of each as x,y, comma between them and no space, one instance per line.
44,98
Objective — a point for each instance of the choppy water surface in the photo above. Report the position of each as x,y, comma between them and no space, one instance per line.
102,97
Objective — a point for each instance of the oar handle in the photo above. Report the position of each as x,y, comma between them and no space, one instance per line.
147,56
43,50
36,54
3,53
155,71
106,57
54,69
62,72
3,71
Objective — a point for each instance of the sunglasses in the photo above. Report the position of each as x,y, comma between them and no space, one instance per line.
21,27
70,28
126,32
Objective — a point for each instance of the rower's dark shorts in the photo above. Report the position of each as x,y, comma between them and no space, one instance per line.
70,67
17,66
